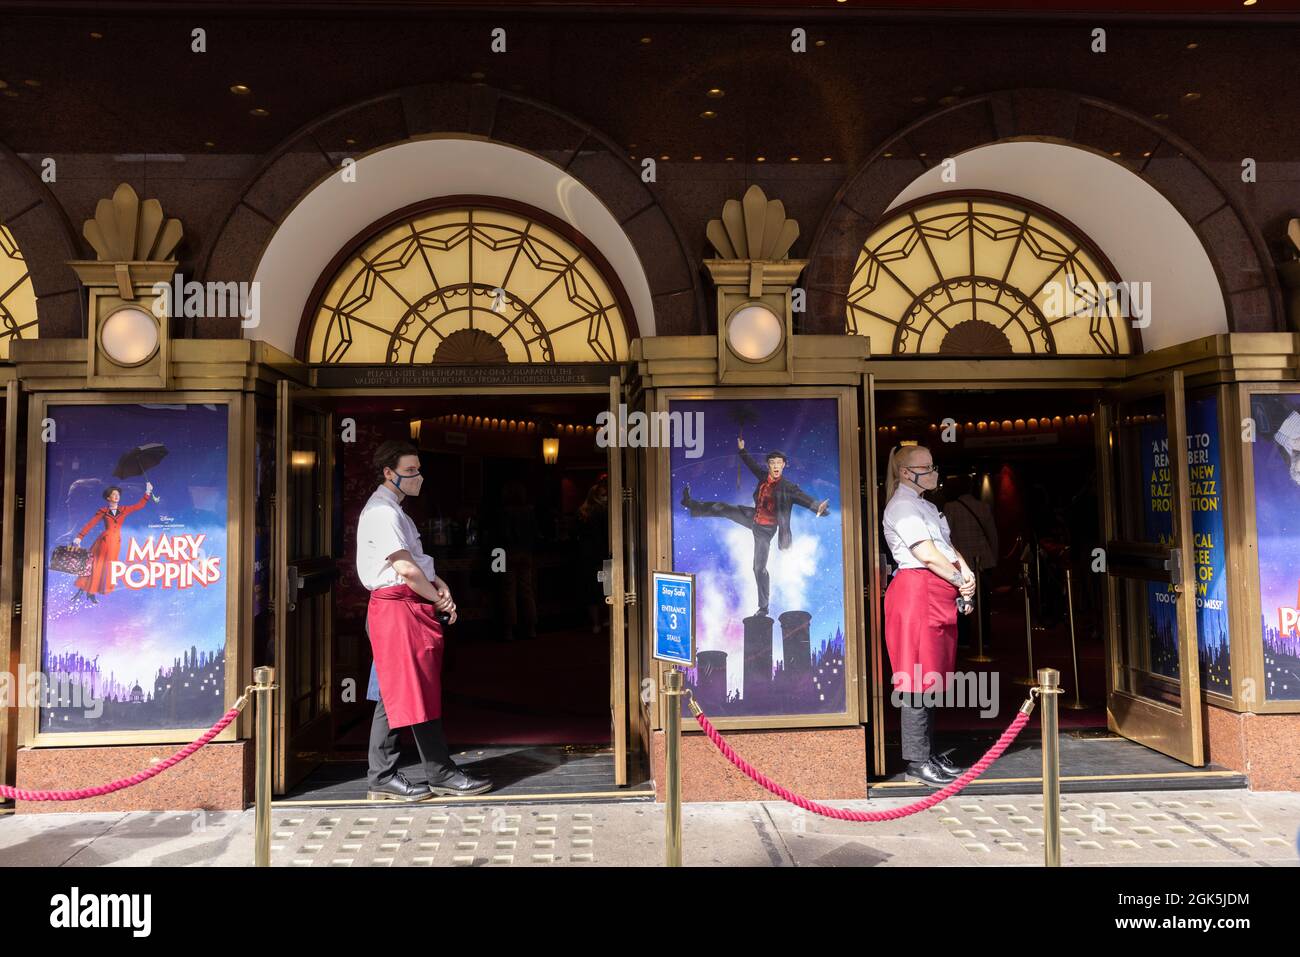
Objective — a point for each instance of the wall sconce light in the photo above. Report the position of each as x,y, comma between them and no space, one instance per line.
303,459
415,431
550,451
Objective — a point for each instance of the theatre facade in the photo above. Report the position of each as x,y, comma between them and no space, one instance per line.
1088,318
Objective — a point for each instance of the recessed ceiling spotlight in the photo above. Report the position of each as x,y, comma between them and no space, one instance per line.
1147,154
697,156
350,141
826,159
888,155
715,92
708,115
1117,153
1247,3
819,43
794,159
664,156
1192,46
258,111
1161,116
1191,97
239,89
645,39
209,143
731,159
761,159
96,36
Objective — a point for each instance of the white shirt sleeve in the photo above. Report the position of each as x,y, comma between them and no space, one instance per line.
382,531
910,527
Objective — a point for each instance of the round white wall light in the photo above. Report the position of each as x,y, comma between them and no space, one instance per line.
129,336
754,332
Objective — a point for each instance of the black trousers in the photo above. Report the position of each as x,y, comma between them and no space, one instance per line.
385,752
744,515
915,722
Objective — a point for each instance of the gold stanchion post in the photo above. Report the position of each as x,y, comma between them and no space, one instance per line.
265,684
1028,679
672,688
1049,688
979,655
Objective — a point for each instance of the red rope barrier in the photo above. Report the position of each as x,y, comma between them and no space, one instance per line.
21,794
978,768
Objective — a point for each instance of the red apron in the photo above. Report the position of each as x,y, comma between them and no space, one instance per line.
406,638
920,629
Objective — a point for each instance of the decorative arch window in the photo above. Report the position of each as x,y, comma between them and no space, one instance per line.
986,275
468,283
17,298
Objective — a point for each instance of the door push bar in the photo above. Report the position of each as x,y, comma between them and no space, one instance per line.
1150,562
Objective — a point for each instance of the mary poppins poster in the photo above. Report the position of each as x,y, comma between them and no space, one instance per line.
136,562
757,516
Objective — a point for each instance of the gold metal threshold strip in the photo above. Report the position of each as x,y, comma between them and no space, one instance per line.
882,785
621,794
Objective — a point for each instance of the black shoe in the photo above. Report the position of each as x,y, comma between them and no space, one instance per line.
686,496
929,774
459,783
946,765
397,788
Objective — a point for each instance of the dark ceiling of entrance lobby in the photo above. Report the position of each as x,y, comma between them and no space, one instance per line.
639,72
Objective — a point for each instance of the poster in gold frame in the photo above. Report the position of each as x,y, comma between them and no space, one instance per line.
43,412
844,510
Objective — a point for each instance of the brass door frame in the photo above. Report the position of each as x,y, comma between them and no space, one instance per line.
8,577
617,598
285,766
1177,732
873,662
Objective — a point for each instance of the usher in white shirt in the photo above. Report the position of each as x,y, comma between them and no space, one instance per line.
382,530
909,519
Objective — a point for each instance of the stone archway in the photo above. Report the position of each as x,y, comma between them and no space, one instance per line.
1236,250
47,241
590,160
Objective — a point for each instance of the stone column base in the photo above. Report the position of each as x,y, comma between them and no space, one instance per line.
1260,746
218,777
819,763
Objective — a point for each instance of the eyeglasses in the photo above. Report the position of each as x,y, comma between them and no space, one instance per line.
407,473
916,471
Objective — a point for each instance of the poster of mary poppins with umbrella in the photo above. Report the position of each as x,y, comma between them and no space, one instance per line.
134,615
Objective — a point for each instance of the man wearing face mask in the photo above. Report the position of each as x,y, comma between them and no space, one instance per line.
920,605
406,636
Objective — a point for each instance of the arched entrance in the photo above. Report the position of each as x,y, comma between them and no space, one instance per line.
491,334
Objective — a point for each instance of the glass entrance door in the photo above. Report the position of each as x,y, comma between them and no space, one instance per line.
304,571
1153,674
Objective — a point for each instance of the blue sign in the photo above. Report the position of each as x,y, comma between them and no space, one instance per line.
674,595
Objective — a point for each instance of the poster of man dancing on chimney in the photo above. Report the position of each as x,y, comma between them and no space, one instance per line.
757,515
134,592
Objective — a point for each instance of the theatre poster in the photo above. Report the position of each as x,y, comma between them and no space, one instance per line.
773,625
1275,456
1206,497
134,609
